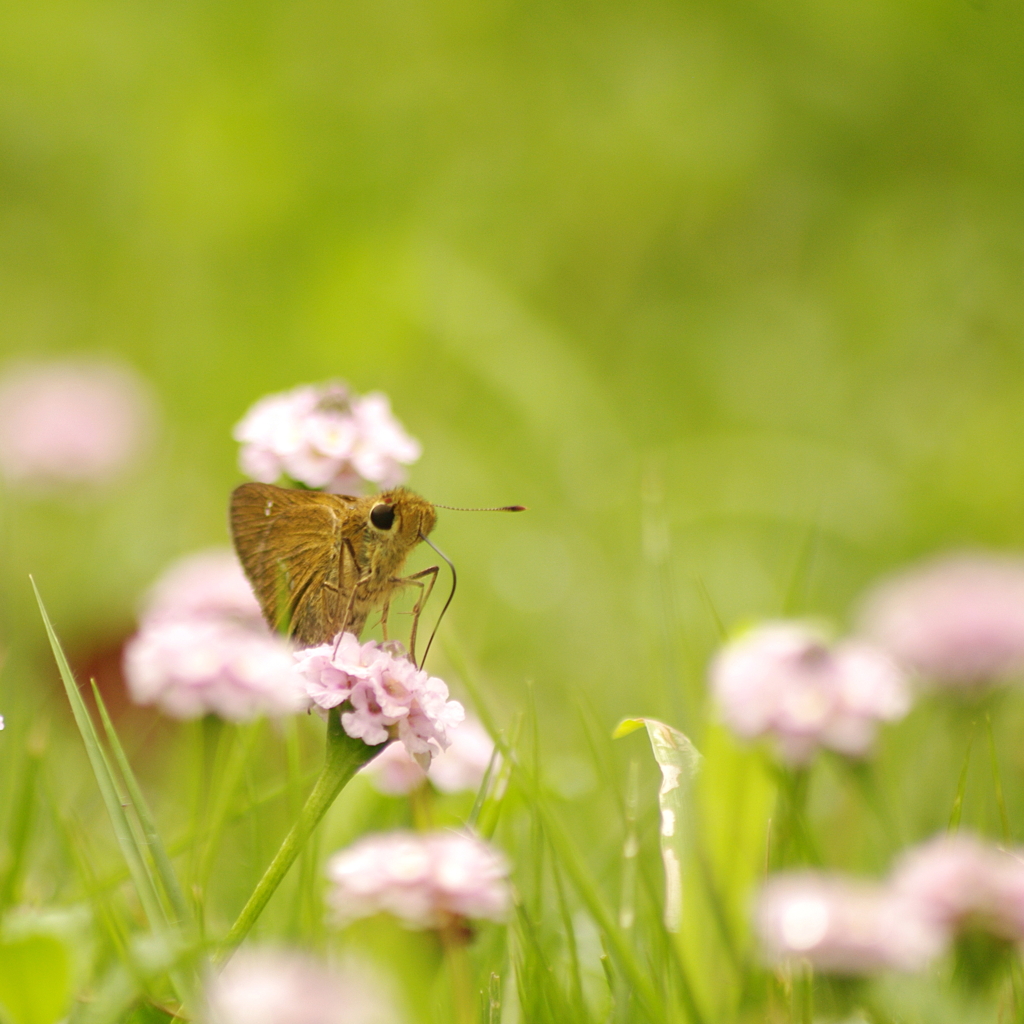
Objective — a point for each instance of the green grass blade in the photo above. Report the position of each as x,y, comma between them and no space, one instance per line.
997,783
138,867
563,848
575,978
961,786
630,851
485,788
709,604
591,897
799,582
20,828
229,780
157,850
130,850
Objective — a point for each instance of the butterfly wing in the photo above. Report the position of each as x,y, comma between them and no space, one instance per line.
292,546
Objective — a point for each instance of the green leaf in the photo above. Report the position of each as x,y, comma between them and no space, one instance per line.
679,762
35,979
626,726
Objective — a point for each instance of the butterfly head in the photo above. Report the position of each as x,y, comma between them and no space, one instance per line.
401,517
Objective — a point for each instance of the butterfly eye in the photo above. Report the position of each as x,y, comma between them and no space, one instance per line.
382,516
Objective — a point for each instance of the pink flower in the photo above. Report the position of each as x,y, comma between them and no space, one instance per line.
958,882
206,584
461,766
267,986
195,666
71,421
387,696
325,437
783,680
426,880
842,926
955,619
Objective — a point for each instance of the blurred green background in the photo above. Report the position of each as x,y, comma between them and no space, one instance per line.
728,293
691,280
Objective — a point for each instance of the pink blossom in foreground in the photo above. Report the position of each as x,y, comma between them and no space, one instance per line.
206,584
267,986
426,880
783,680
843,926
192,667
955,619
460,767
326,437
71,421
960,882
388,697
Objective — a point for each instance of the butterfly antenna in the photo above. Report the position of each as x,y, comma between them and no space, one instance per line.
455,580
500,508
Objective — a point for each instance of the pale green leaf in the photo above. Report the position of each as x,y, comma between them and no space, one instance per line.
679,762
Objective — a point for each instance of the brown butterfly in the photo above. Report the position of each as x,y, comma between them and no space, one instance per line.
319,563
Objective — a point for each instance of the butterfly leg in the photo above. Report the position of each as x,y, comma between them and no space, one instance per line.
347,617
417,580
385,610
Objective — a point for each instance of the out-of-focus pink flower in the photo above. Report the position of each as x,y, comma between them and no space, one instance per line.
783,680
461,766
959,882
394,773
426,880
955,619
206,584
842,925
268,986
325,437
71,421
389,697
197,666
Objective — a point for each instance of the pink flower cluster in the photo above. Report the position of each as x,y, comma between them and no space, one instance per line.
460,767
71,422
783,680
389,698
955,619
848,926
325,437
959,882
272,986
426,880
202,647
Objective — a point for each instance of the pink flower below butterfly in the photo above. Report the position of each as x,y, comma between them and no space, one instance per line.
387,696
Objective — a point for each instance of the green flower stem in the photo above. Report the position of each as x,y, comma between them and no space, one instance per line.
795,844
454,940
345,756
